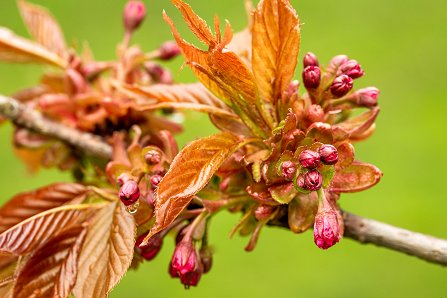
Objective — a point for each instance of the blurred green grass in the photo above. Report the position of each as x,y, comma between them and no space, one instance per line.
401,45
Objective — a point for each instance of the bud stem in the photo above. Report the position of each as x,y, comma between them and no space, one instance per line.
202,216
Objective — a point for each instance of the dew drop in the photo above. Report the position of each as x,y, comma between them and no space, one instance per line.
132,209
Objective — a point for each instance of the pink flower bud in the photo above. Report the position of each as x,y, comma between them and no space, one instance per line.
155,180
352,69
311,77
262,212
293,88
367,97
151,249
309,159
300,181
313,113
134,13
184,259
152,157
341,85
191,278
313,180
310,60
328,154
288,169
326,229
158,73
336,62
129,192
122,179
169,50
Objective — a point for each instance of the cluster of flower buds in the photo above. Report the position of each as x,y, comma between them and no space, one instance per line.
311,160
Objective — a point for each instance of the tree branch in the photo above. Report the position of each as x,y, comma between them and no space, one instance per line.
425,247
23,116
357,228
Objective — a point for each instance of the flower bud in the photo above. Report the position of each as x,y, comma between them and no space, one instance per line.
341,85
313,113
335,63
155,180
134,13
262,212
326,229
288,169
191,278
122,179
309,159
300,181
184,259
313,180
352,69
151,249
158,73
293,88
328,154
367,97
169,50
152,157
129,192
311,77
206,258
310,60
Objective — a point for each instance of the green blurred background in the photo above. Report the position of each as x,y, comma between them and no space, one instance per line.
401,44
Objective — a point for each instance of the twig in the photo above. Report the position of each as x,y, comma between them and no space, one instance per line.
425,247
23,116
360,229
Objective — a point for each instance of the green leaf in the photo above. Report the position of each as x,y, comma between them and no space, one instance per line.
190,171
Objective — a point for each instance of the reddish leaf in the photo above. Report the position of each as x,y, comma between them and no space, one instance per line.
190,171
276,43
107,251
356,177
320,132
29,234
43,27
283,193
17,49
51,271
356,126
230,125
346,153
28,204
302,210
7,278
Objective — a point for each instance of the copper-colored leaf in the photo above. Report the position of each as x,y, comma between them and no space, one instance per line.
301,212
356,177
7,278
29,234
107,251
346,154
230,125
190,171
17,49
276,43
51,271
43,27
180,96
27,204
356,126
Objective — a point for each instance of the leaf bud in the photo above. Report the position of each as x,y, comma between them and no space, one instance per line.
313,180
311,77
310,60
309,159
328,154
134,14
341,85
129,192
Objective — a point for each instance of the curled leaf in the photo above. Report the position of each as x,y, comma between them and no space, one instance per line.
356,126
190,171
356,177
276,43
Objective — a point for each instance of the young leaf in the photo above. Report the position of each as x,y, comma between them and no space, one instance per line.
190,171
301,212
356,177
43,27
230,125
17,49
276,43
27,204
356,126
107,251
51,271
28,235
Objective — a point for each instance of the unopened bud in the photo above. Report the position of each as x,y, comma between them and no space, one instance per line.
129,192
155,180
300,181
367,97
122,179
263,212
185,264
309,159
341,85
336,62
169,50
158,73
152,157
313,180
326,229
311,77
310,60
352,69
313,113
288,169
293,88
206,258
134,13
328,154
151,249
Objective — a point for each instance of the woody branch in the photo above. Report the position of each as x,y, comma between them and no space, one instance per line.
361,229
